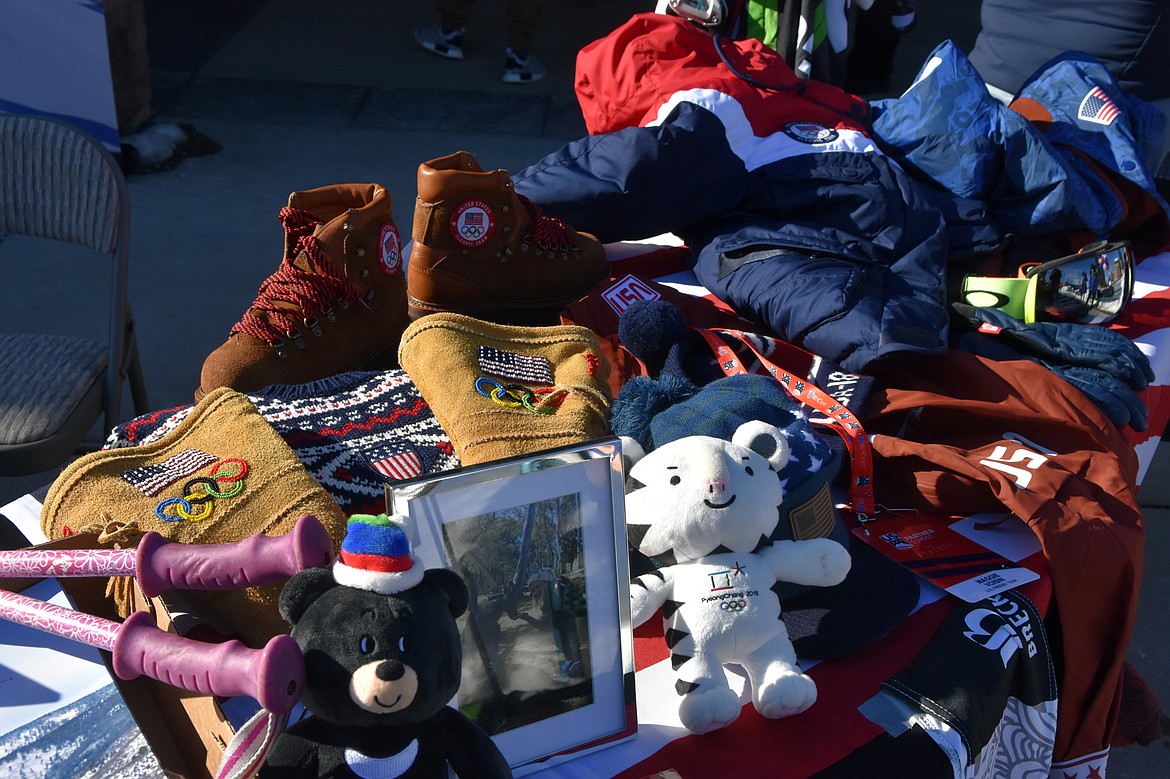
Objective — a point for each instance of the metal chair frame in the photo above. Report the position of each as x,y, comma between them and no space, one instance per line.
58,182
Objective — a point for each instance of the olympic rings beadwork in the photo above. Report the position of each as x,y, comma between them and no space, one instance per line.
542,400
202,491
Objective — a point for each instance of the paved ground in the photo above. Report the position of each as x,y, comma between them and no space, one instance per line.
302,93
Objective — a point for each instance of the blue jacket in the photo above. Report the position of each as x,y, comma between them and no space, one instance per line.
1068,156
792,214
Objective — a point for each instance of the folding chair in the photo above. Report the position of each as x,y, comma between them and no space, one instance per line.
57,182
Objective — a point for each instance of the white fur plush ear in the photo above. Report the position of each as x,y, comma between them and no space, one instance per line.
632,452
765,440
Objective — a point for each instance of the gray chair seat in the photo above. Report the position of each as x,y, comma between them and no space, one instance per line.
56,375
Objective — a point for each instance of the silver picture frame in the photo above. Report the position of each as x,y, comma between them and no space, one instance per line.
548,662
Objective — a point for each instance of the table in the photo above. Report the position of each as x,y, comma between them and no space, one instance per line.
65,687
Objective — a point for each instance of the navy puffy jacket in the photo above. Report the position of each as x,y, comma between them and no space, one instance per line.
792,213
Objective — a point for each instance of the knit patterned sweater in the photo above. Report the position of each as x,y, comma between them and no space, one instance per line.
354,432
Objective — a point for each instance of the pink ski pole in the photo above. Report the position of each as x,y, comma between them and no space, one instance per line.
159,564
274,675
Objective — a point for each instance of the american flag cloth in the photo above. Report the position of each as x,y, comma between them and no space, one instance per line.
1097,107
509,365
154,478
396,460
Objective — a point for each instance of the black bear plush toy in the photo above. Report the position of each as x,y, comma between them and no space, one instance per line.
382,662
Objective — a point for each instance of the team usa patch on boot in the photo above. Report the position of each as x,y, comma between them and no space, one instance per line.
391,244
472,223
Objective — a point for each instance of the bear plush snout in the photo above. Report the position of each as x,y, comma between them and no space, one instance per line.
383,687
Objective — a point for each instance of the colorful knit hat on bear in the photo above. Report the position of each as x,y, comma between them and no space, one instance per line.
376,556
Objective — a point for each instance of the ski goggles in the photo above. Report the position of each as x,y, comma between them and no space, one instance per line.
709,14
1091,287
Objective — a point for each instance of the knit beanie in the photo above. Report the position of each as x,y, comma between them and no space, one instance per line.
662,338
221,474
503,390
716,410
376,556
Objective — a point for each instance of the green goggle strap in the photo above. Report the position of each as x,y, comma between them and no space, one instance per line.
1014,297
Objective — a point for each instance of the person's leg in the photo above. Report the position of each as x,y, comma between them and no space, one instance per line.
521,23
446,37
455,14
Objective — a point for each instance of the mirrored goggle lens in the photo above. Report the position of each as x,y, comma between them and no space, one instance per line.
705,13
1091,287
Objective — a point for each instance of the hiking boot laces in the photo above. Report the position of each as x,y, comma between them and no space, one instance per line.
547,232
292,297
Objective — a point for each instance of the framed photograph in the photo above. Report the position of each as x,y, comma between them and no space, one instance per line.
548,665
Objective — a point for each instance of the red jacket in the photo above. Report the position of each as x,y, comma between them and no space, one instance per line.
960,434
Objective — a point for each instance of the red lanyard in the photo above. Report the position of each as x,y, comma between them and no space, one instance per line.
841,419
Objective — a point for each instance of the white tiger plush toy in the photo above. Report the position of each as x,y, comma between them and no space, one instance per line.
705,508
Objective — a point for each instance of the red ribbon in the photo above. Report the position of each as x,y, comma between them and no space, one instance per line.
839,418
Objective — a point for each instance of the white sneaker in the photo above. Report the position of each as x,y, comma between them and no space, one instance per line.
446,44
519,70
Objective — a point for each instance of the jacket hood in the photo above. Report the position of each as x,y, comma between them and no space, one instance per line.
627,78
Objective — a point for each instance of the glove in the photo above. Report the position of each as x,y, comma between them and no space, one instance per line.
1115,399
1107,352
1066,343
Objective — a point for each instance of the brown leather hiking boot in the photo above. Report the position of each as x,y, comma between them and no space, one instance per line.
482,250
336,303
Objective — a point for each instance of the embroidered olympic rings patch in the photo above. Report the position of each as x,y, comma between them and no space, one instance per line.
472,223
226,480
542,400
733,605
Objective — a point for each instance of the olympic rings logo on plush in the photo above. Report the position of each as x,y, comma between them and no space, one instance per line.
200,493
733,605
542,400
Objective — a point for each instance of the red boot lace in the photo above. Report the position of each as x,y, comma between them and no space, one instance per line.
548,232
291,297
